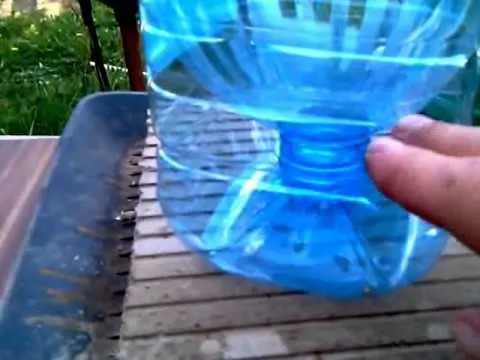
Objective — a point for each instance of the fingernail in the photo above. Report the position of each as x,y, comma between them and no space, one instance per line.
467,337
409,126
381,146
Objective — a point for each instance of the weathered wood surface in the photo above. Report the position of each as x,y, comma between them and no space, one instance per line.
23,165
178,306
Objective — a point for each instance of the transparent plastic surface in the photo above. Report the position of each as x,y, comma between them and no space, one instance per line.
456,102
261,162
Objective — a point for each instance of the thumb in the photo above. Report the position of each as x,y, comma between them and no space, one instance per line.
441,189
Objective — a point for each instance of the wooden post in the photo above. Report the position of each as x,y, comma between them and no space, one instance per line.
127,21
96,51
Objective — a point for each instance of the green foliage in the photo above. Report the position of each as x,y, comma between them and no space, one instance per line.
44,68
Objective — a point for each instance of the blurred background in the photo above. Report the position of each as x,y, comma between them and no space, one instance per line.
45,63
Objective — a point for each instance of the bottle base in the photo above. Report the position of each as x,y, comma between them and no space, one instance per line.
337,247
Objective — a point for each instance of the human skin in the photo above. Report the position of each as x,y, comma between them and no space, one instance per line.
433,170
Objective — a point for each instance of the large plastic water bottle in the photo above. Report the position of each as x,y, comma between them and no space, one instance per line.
261,162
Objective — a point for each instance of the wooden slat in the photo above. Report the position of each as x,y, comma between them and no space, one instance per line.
454,247
159,245
419,352
192,124
154,226
208,139
146,227
309,337
191,289
155,287
151,141
187,264
260,311
148,178
212,139
159,236
149,164
194,207
172,266
232,150
187,113
167,244
180,191
151,209
23,164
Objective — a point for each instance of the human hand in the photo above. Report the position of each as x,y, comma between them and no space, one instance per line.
433,170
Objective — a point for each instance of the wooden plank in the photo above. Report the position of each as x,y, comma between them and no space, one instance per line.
149,208
23,164
234,151
165,243
158,226
212,138
151,141
180,191
235,148
310,337
419,352
203,196
186,112
440,351
194,223
172,178
188,264
19,159
152,209
148,178
226,124
171,266
454,247
149,164
152,228
193,208
153,285
196,202
262,311
190,289
158,246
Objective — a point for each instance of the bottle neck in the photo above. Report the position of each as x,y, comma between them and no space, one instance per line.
323,158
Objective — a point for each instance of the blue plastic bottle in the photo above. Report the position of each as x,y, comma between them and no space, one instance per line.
261,162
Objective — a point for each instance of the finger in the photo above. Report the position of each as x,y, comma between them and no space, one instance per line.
470,317
444,190
466,330
448,139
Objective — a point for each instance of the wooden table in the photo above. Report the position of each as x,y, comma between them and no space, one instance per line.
23,165
177,306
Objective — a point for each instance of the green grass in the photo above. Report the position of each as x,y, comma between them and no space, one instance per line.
44,68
